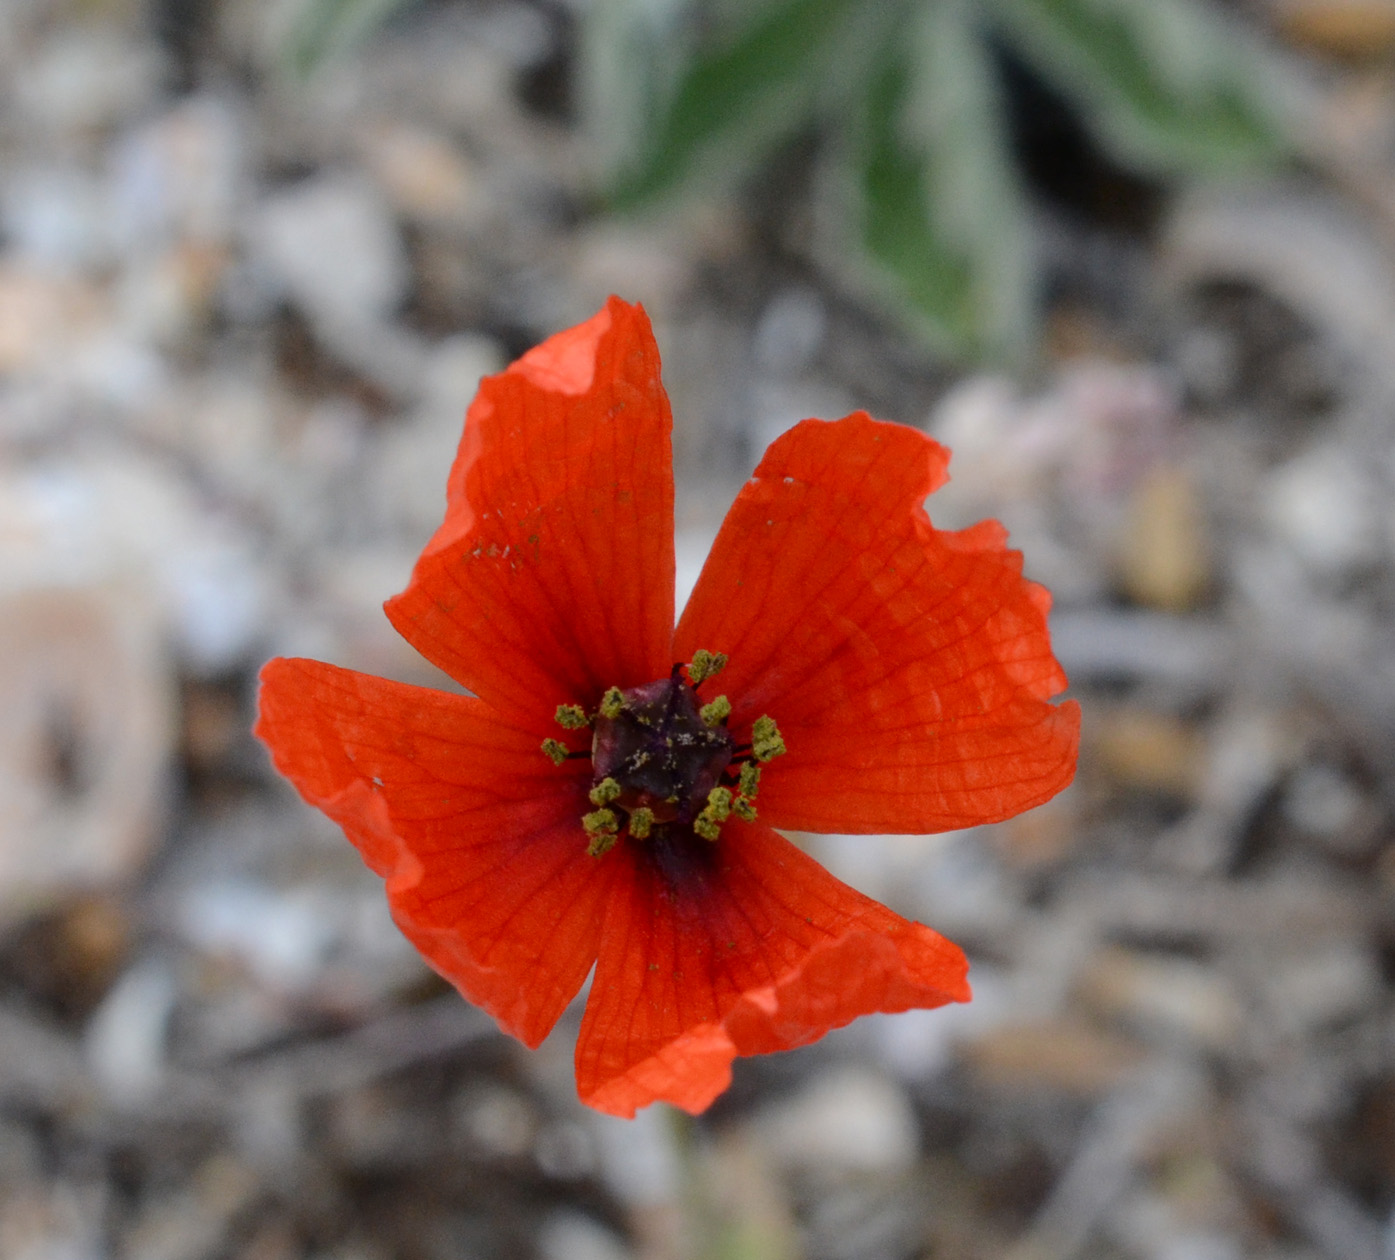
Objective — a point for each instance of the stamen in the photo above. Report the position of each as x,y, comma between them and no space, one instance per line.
716,712
766,741
605,791
665,764
708,824
604,829
556,750
572,717
705,665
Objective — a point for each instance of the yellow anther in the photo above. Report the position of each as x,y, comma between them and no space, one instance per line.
572,717
613,703
641,821
705,665
708,824
603,827
601,843
750,778
556,749
719,804
743,809
766,740
716,712
604,792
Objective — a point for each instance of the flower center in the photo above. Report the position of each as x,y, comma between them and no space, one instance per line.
661,759
654,744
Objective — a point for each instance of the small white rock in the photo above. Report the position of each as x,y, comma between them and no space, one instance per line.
637,1157
1323,505
126,1034
1324,986
846,1120
335,248
570,1235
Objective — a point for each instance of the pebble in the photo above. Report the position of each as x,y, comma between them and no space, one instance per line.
125,1038
181,179
1322,800
426,178
1164,555
86,735
42,316
81,78
1323,505
334,941
495,1121
1144,749
638,1159
1166,999
1324,803
332,245
790,331
571,1235
54,217
847,1119
1066,1056
1323,986
100,517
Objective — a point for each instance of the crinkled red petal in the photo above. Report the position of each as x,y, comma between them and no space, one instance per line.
552,576
744,946
908,668
475,831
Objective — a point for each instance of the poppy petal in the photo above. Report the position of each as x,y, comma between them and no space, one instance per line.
552,576
475,831
908,668
745,946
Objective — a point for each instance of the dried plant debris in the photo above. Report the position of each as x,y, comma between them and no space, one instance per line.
239,322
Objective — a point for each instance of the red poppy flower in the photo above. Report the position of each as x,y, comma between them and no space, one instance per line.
607,794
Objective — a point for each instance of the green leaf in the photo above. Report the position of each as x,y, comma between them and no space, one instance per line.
323,29
730,107
629,56
1167,85
940,224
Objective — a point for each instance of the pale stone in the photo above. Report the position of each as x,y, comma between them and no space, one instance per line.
1164,997
846,1119
335,248
1164,559
86,736
126,1035
1323,504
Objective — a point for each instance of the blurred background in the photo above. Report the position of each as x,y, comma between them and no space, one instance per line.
1133,260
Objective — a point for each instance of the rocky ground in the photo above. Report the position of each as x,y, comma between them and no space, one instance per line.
239,322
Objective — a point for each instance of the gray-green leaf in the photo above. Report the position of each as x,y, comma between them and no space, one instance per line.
941,218
1167,85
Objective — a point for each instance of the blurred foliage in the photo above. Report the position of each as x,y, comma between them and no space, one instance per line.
919,203
323,29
